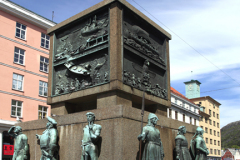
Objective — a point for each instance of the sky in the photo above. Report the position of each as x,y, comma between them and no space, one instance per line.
205,43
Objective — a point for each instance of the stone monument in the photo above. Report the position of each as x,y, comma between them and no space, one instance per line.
101,61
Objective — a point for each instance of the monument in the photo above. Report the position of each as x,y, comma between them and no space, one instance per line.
103,60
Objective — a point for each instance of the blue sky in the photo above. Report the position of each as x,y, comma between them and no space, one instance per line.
212,28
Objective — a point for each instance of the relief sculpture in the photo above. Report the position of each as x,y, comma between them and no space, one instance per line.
139,39
80,57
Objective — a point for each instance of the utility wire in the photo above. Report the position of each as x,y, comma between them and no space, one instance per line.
186,42
219,89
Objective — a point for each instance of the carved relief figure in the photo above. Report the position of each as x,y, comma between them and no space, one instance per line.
198,146
182,145
77,84
153,149
48,141
21,143
91,135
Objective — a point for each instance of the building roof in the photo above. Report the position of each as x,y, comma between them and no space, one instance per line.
25,14
174,91
192,81
206,97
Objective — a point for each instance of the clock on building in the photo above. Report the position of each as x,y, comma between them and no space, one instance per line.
190,87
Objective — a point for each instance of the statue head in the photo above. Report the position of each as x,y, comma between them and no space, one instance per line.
152,119
17,129
146,62
199,131
181,130
51,122
90,117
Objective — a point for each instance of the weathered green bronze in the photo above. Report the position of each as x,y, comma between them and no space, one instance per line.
48,141
21,143
153,149
182,145
91,135
198,146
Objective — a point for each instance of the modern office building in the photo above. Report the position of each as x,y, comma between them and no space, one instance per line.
24,51
210,118
182,109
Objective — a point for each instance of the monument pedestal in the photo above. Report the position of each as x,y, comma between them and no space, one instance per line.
120,127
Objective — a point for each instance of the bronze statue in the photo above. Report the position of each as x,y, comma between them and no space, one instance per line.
48,141
153,149
91,134
21,143
198,146
182,145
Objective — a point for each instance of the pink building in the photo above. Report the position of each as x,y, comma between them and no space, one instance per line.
24,52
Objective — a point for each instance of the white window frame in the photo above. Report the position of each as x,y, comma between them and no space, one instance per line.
44,63
44,87
19,55
16,107
44,40
21,30
42,111
18,81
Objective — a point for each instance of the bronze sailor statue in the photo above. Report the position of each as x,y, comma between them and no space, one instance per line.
48,141
182,152
198,146
153,149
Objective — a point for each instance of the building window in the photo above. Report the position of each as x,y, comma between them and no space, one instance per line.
175,100
206,140
45,41
210,151
210,141
215,142
43,88
217,116
218,134
183,117
210,112
210,121
17,82
210,131
214,123
19,56
42,112
16,110
201,127
218,143
190,120
183,105
195,121
170,113
213,114
44,64
206,120
21,31
218,152
176,115
214,133
218,125
206,129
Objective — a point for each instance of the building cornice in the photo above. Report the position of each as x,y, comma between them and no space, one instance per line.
185,101
207,98
25,14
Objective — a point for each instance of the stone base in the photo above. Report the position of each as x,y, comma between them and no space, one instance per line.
120,127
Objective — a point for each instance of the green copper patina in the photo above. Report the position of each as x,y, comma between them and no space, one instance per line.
153,149
91,135
198,146
182,145
21,143
48,141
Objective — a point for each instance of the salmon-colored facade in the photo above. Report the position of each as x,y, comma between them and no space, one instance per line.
21,34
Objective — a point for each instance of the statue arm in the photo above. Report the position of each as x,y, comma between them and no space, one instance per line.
25,142
95,136
198,146
178,142
143,135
